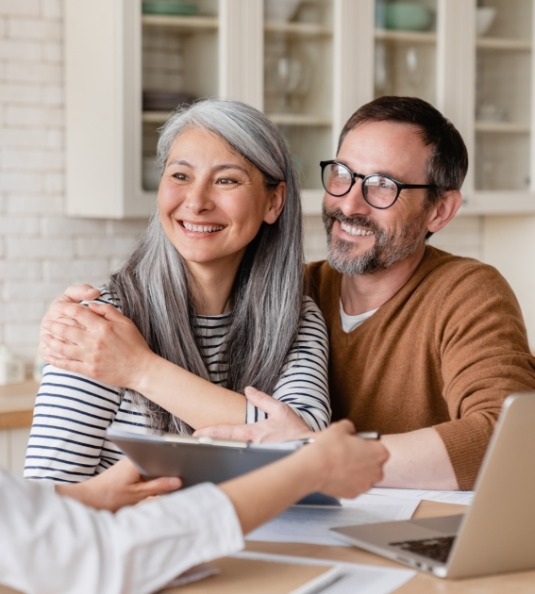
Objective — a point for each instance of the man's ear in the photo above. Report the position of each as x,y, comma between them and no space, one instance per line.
276,203
444,210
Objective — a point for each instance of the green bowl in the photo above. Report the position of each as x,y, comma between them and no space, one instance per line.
170,7
408,16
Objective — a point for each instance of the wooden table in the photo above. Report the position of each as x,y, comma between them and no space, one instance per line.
16,404
236,579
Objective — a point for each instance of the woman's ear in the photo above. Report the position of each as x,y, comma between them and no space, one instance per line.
277,198
444,210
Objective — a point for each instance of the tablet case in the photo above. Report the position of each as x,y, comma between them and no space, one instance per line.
198,460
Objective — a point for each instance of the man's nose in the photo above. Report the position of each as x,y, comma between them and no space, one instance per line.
353,203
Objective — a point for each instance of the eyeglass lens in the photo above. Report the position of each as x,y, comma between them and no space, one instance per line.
378,190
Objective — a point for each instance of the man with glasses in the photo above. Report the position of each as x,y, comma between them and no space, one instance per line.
424,345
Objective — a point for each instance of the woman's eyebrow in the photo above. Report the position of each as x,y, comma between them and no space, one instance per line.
217,168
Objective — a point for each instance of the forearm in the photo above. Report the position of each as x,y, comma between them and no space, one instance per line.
193,399
264,494
418,460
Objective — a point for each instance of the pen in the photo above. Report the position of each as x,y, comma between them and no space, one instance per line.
292,444
369,435
373,435
321,582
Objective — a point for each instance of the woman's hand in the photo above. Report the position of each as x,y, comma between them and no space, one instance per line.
95,340
118,486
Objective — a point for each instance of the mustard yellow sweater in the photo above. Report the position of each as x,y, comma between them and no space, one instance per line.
444,352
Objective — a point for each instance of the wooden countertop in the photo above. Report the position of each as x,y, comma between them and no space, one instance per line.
16,404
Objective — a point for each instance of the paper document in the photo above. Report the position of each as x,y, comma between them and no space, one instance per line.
355,577
461,497
311,524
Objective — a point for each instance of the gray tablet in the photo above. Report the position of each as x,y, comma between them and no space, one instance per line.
198,460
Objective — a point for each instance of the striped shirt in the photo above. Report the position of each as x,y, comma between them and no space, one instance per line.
72,412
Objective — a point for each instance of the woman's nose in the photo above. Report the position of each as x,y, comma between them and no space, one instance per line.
198,197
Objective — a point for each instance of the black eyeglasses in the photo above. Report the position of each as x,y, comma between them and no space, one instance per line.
379,191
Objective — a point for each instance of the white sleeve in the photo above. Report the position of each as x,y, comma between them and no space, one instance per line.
303,384
55,544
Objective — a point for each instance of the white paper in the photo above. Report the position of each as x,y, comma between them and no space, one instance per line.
311,524
461,497
364,579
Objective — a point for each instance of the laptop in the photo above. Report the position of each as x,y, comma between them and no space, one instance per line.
497,532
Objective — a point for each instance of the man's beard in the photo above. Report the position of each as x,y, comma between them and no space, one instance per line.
388,248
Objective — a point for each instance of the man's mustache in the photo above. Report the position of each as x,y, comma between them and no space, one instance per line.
356,221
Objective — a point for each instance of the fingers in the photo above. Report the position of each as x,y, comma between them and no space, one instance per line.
105,310
68,323
349,465
83,315
264,402
159,486
77,293
233,432
343,426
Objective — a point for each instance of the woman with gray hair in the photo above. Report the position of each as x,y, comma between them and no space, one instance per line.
209,302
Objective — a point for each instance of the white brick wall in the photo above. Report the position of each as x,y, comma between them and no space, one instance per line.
41,251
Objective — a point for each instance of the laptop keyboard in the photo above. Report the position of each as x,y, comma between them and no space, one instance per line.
434,548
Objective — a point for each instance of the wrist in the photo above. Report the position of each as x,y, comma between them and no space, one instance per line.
308,462
147,372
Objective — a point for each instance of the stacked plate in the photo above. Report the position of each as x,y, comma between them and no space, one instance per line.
165,100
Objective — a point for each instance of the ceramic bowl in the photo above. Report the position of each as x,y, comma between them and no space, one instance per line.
484,18
280,10
407,15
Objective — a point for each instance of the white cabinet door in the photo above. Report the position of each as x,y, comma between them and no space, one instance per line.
480,74
309,70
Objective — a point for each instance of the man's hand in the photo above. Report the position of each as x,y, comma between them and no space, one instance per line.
95,340
118,486
73,295
282,422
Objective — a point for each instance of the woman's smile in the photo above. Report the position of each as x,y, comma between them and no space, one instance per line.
212,201
198,228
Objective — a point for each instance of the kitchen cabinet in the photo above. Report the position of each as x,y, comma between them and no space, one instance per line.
480,74
308,72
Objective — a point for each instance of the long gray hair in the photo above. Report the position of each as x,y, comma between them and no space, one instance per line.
154,286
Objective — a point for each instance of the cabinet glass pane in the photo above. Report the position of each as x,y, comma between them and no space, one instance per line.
503,95
405,48
298,79
179,65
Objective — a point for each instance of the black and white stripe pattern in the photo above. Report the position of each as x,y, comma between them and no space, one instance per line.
67,440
